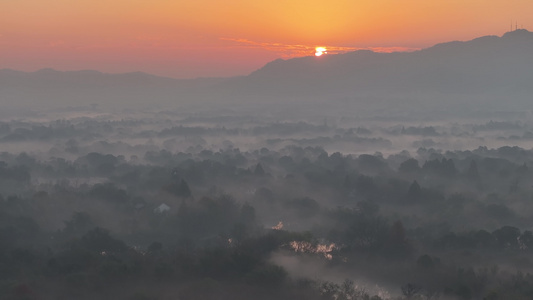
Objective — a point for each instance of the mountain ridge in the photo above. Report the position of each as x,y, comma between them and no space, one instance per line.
488,67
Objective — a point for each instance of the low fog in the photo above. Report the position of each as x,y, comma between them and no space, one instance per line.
353,176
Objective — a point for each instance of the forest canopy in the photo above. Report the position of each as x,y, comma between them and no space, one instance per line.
205,207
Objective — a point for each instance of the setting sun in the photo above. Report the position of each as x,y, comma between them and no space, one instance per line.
188,39
319,51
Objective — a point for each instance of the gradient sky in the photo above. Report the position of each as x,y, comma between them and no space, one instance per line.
212,38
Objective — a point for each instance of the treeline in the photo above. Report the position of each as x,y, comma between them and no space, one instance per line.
225,225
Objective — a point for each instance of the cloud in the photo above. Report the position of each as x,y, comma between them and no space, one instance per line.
284,50
295,50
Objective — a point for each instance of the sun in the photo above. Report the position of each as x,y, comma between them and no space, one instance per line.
319,51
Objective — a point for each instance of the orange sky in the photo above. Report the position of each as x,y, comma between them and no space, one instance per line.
185,39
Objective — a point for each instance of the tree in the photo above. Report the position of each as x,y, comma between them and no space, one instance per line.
267,275
425,262
366,233
397,245
526,240
445,167
79,224
180,189
472,172
410,290
409,166
184,190
415,192
100,241
259,171
507,236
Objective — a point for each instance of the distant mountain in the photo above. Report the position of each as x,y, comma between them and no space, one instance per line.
77,88
493,73
488,71
488,62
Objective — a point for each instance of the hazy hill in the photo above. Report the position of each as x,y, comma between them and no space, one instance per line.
489,62
40,89
458,78
488,71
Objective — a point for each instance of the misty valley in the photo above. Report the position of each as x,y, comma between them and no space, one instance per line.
179,204
356,176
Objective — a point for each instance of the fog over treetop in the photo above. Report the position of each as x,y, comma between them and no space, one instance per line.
361,176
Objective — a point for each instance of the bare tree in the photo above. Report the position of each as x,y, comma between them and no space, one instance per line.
410,290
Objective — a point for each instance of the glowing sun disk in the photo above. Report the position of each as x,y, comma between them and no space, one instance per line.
320,51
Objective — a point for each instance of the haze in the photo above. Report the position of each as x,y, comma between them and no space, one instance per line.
201,150
184,39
